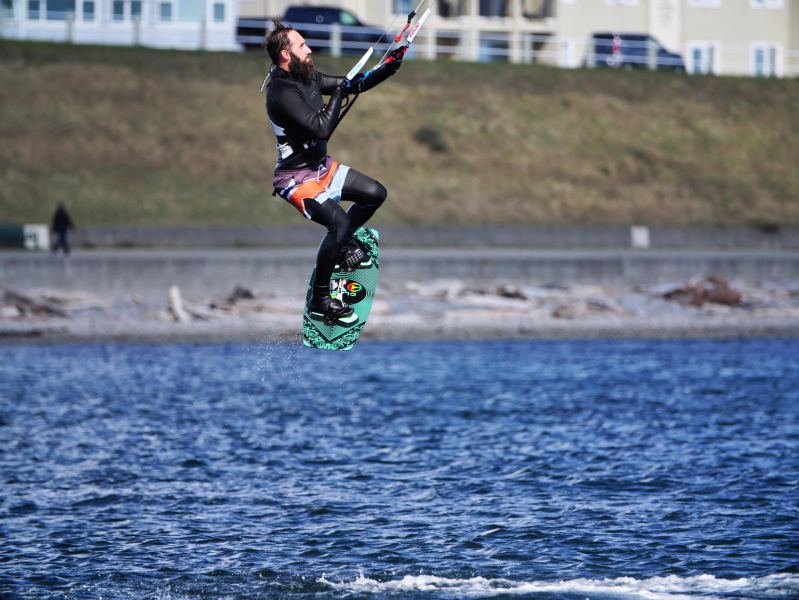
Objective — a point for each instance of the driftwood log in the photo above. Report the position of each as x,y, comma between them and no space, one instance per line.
27,305
712,289
176,308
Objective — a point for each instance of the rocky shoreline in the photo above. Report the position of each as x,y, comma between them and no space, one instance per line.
439,310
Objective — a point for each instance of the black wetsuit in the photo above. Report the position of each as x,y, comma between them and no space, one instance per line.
61,225
303,125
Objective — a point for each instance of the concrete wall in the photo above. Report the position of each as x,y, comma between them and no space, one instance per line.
213,274
487,236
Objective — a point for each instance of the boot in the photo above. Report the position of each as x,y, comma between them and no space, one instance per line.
331,311
352,256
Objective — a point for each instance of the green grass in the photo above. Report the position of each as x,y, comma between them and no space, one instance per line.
138,136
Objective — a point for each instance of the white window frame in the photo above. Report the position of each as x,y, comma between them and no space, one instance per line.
767,4
41,11
704,46
779,58
95,12
225,11
172,11
125,12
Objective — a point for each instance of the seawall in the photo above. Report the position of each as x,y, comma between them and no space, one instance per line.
455,236
205,273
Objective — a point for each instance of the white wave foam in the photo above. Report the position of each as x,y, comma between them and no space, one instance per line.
781,585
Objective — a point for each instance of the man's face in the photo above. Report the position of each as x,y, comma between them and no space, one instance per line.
298,48
300,63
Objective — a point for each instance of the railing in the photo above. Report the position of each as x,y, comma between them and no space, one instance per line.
521,47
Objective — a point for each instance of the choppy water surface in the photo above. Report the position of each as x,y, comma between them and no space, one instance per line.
571,470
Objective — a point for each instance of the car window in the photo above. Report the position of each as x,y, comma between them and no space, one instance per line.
330,15
347,18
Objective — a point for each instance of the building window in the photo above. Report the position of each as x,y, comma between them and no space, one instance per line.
775,4
494,47
33,9
118,10
766,60
8,8
703,58
403,7
88,10
135,9
493,8
165,11
219,12
60,10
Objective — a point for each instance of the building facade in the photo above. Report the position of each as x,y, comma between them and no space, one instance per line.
184,24
723,37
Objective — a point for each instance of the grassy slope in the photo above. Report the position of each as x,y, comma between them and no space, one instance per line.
129,135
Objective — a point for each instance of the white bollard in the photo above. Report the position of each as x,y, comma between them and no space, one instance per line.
639,237
335,40
37,237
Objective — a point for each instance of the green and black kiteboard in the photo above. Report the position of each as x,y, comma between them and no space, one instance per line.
356,288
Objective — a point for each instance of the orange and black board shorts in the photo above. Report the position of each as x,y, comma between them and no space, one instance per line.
324,183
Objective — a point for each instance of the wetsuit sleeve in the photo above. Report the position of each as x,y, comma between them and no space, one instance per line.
319,124
375,77
329,83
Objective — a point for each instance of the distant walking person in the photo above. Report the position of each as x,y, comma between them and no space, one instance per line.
60,227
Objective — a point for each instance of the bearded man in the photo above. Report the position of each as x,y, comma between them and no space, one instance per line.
305,175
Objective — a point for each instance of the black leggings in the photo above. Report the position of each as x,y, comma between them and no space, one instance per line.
366,196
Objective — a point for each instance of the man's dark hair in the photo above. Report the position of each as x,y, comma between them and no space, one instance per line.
277,40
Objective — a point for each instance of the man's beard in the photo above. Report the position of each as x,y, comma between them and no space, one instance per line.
304,69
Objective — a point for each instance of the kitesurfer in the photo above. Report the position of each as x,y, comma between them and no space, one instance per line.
305,175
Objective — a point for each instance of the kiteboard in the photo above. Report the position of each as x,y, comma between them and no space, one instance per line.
355,288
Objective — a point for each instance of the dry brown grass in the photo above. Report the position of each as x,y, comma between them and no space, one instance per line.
129,135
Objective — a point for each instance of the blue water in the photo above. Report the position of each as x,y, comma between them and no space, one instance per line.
568,470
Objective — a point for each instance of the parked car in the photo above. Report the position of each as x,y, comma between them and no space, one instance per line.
631,51
313,23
